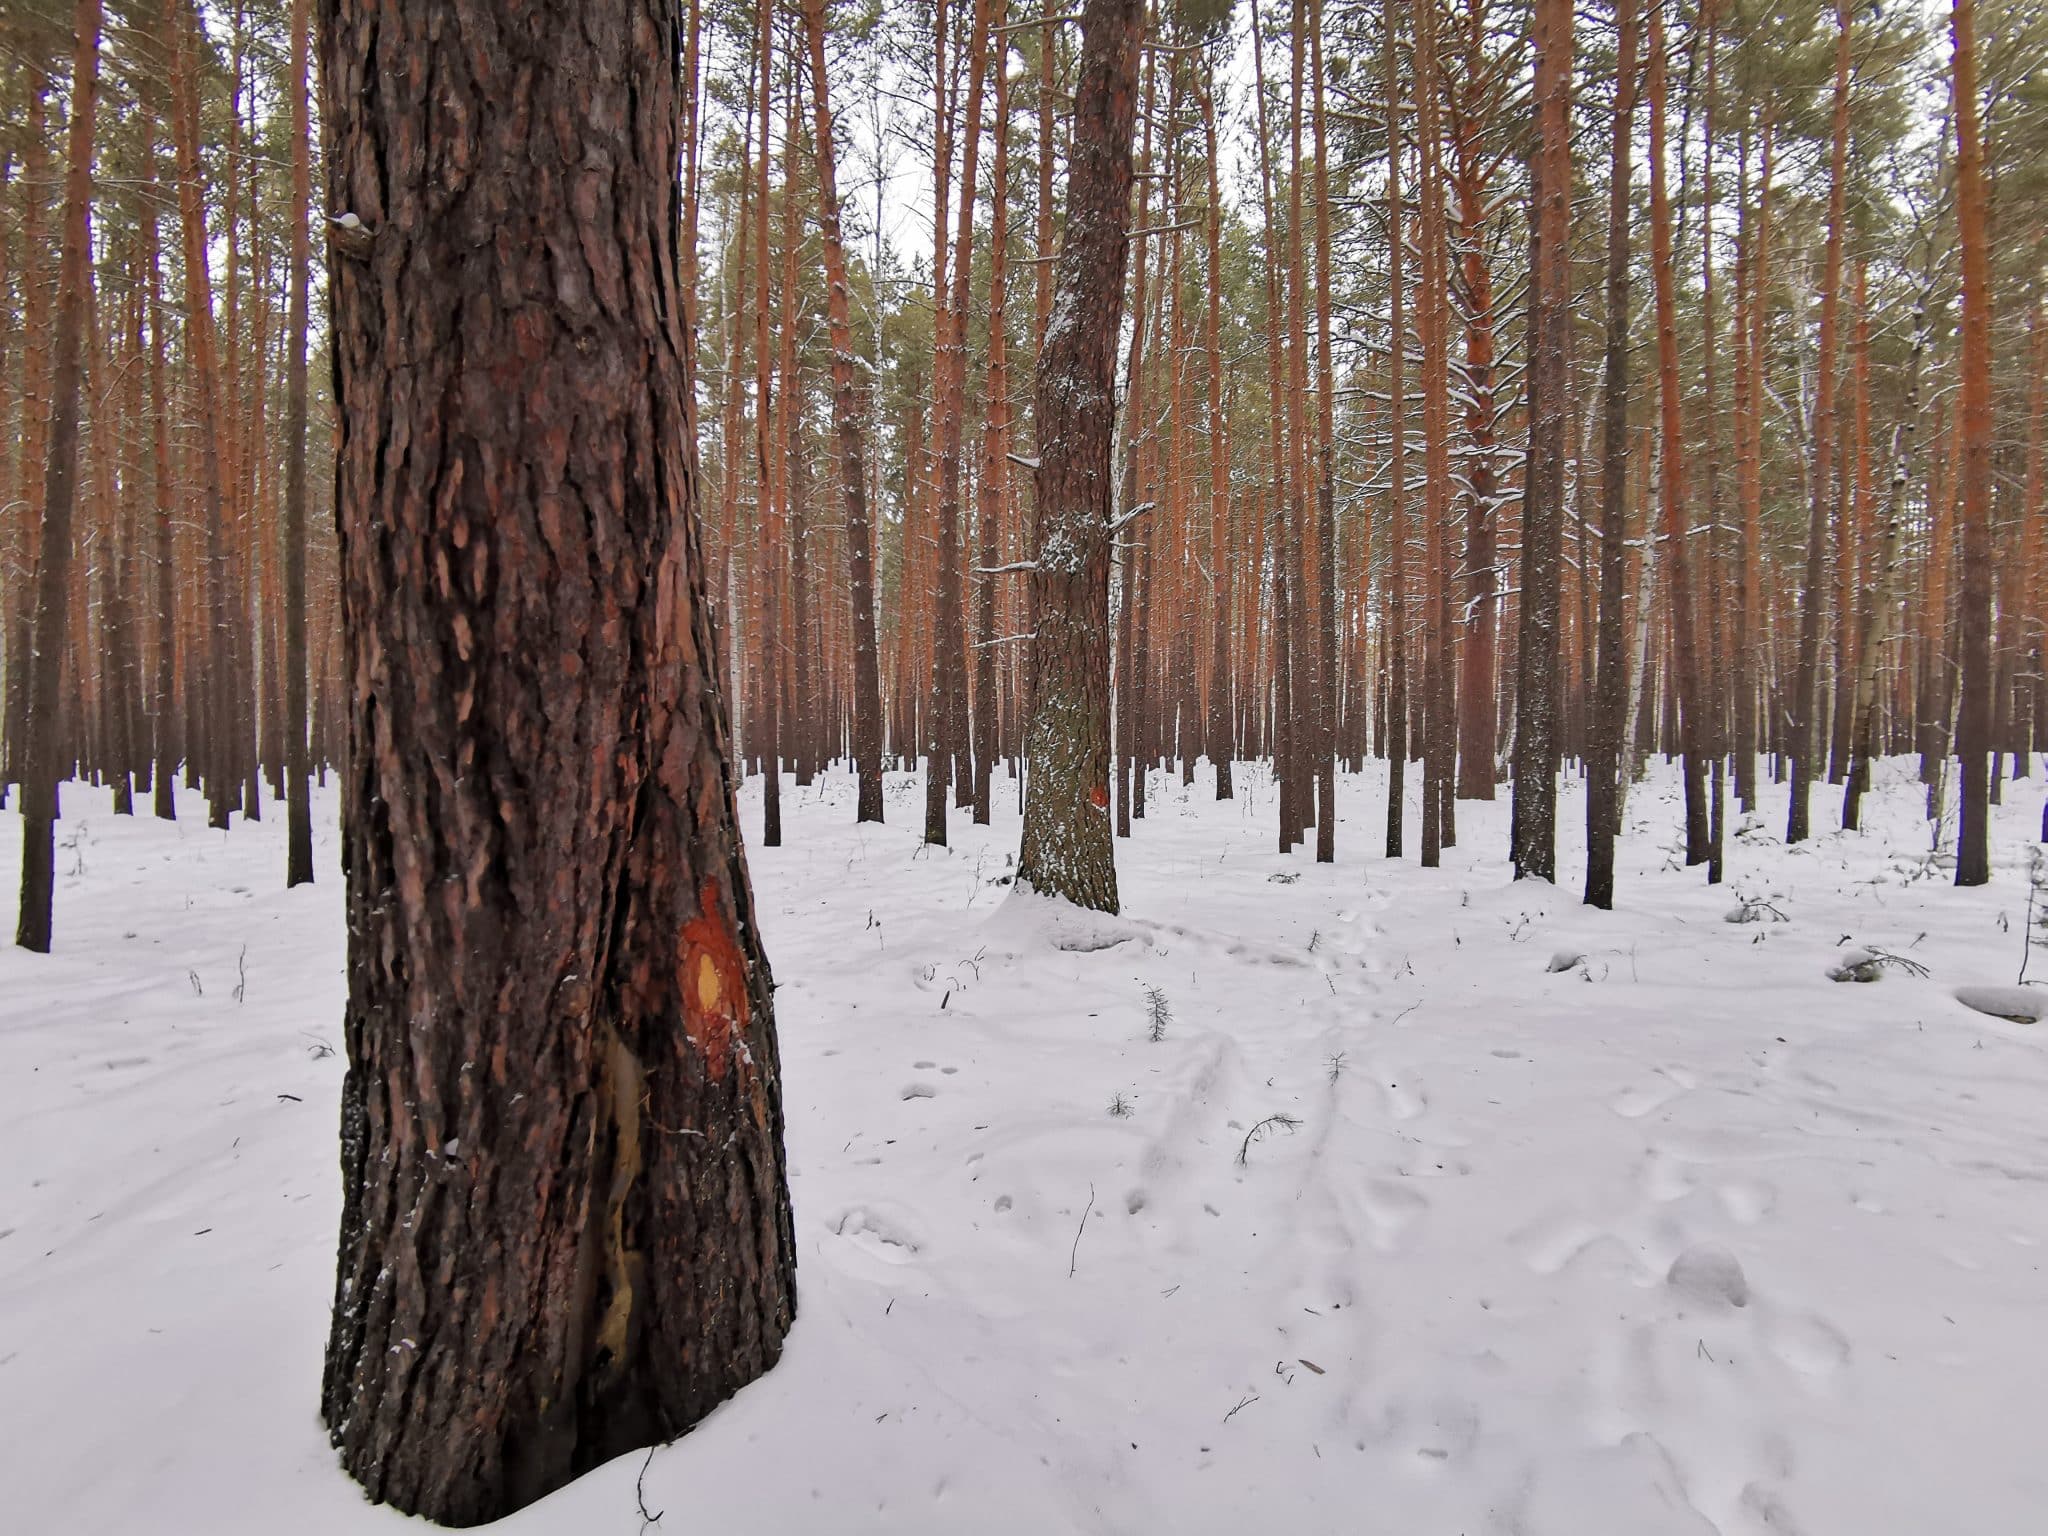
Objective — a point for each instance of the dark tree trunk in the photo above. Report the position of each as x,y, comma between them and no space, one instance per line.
1536,650
44,749
1604,765
1687,694
298,867
1973,718
164,716
846,427
1397,460
217,697
1813,597
1221,739
565,1228
1068,850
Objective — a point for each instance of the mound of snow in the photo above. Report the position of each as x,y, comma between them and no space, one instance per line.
2020,1005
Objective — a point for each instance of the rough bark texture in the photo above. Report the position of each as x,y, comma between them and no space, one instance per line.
1068,850
565,1229
41,758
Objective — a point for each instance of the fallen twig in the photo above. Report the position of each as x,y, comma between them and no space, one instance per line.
1074,1256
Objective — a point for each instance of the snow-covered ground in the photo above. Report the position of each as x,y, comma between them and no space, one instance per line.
1679,1237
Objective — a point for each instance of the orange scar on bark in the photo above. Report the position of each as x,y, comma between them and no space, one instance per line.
714,984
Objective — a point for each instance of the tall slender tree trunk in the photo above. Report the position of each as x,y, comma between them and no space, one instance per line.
1676,520
1878,601
995,471
846,427
1813,600
1326,473
298,804
1222,740
42,758
1067,848
1537,644
1397,448
951,748
1604,766
565,1225
768,696
1973,720
222,787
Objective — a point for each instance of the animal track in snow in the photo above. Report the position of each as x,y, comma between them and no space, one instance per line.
920,1091
877,1234
1810,1345
1405,1102
1393,1209
1551,1242
1747,1201
1651,1097
1665,1178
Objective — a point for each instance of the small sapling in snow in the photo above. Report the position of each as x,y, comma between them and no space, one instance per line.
1158,1014
1286,1123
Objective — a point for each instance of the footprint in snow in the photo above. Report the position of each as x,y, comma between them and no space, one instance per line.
1648,1098
1747,1201
1550,1243
877,1234
1665,1178
920,1091
1393,1209
1405,1099
1810,1345
1707,1275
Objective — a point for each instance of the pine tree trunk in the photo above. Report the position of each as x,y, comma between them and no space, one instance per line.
1813,600
1326,476
26,513
1397,456
1536,650
1604,766
1676,519
1222,744
767,696
43,750
995,471
565,1228
1067,849
846,427
1973,719
299,811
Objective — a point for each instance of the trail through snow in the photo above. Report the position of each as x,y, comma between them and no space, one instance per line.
1396,1230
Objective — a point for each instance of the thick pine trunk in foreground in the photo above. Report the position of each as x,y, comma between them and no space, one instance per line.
565,1229
1068,850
